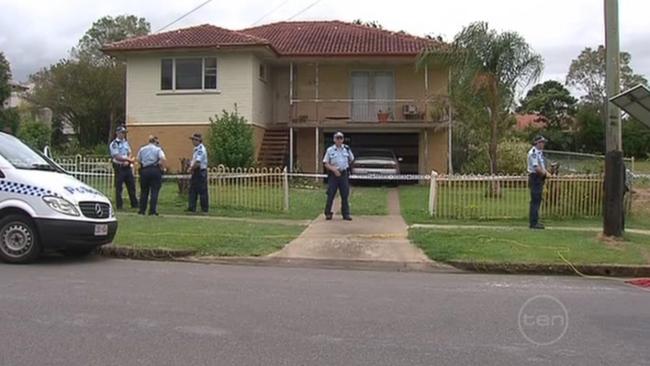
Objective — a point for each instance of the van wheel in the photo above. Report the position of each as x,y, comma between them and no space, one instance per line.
77,252
18,239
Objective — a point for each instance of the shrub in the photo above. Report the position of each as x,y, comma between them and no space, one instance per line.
9,120
35,134
230,141
511,153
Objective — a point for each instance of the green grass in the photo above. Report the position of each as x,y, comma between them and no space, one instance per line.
208,237
526,246
642,166
414,208
304,203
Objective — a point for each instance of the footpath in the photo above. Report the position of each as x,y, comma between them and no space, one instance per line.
380,241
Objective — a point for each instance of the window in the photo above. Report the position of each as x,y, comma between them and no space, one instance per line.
167,74
188,74
262,72
372,91
210,77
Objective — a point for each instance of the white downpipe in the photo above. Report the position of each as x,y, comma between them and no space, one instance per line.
291,149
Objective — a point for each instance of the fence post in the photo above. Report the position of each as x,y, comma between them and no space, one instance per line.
286,189
433,188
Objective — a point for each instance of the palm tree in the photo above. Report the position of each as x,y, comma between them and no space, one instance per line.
487,70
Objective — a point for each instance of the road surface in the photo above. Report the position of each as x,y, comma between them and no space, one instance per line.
100,311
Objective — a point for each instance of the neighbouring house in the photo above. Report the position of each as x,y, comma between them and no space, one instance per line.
296,83
17,96
530,120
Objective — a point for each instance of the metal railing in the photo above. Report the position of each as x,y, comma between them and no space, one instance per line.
369,110
497,197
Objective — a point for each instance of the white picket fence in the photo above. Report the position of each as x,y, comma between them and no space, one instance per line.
263,189
496,196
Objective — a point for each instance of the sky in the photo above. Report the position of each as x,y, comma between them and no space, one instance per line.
37,33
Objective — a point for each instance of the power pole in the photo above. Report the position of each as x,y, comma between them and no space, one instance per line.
613,222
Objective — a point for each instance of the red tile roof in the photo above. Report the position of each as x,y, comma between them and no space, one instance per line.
201,36
316,38
336,38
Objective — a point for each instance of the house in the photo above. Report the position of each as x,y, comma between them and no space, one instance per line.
296,83
530,120
17,96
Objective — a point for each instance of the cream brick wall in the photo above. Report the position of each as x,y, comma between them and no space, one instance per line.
147,104
262,94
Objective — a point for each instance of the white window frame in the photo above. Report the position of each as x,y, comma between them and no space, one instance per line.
173,90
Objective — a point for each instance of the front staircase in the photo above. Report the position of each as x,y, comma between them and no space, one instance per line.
275,148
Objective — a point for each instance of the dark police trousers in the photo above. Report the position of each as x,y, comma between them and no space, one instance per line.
536,186
199,187
150,180
342,184
124,175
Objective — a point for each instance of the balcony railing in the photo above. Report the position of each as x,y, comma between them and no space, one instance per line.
350,111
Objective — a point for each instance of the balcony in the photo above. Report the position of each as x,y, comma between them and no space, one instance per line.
376,113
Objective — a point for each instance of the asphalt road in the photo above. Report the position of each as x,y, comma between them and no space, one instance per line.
116,312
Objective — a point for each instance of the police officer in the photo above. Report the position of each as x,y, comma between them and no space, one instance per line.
199,171
152,165
536,175
123,167
337,160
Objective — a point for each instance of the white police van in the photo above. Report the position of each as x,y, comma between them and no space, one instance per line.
42,208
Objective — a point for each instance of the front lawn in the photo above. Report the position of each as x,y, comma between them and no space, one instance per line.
304,203
414,207
207,236
529,247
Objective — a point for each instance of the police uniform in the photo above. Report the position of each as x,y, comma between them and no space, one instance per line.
150,157
199,179
535,182
340,158
123,171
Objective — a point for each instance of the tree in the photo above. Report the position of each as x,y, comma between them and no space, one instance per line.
108,30
90,97
88,89
552,101
590,136
35,134
5,77
371,23
587,73
487,69
231,141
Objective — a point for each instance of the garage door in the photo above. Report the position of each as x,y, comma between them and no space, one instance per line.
404,145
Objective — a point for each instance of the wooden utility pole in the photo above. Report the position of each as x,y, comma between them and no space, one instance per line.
614,167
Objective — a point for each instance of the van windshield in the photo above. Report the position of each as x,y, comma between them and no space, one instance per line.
22,156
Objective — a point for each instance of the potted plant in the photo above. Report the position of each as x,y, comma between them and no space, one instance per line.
382,117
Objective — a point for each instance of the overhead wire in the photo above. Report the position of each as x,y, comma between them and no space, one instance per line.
184,15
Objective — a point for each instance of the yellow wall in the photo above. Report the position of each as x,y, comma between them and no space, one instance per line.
435,156
175,140
262,94
146,103
334,83
305,151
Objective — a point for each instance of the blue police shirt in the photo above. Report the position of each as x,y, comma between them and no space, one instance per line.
201,155
340,157
119,148
535,159
150,154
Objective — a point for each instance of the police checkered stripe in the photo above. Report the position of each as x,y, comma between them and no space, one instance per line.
24,189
